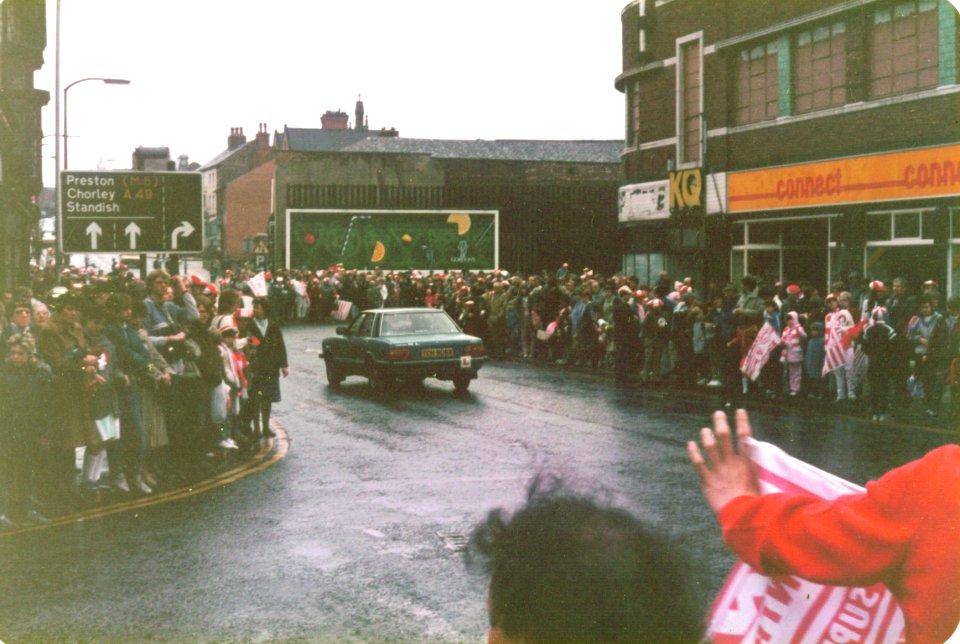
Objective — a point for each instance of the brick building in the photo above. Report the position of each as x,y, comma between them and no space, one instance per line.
239,158
22,40
556,199
801,140
237,182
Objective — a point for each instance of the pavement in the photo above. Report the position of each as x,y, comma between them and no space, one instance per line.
356,534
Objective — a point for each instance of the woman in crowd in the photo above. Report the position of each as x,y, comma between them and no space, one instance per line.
268,360
24,407
927,333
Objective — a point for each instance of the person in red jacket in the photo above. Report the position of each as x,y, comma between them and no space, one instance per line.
903,531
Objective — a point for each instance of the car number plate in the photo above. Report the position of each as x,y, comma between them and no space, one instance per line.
466,362
437,353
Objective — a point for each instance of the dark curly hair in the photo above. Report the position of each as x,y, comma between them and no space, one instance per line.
567,568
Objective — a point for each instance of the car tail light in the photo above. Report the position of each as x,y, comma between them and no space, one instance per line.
398,354
476,350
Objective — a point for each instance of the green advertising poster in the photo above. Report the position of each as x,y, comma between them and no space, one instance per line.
392,240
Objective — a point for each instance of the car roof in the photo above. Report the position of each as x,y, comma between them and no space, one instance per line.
421,309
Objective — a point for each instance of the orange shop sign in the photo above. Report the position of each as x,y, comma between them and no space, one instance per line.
892,176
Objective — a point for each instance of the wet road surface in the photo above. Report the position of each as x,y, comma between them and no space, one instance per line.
354,535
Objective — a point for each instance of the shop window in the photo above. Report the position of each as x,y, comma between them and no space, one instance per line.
807,232
756,90
955,224
819,68
904,43
906,225
955,270
763,233
878,227
737,266
646,267
736,234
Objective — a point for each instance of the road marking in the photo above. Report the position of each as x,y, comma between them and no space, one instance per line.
278,446
374,533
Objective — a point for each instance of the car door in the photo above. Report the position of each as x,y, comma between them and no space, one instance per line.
354,341
365,336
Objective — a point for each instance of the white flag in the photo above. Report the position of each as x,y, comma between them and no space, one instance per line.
258,285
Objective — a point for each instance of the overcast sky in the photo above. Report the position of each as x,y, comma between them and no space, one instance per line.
540,69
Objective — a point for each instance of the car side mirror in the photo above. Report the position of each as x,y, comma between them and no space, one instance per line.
342,330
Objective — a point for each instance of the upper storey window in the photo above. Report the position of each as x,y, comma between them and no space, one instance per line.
690,78
819,68
756,91
904,54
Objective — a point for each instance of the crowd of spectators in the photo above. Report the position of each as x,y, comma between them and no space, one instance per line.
154,377
112,385
885,346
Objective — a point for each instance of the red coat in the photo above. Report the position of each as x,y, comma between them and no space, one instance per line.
904,531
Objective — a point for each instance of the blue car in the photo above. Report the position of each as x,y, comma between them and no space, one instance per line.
386,345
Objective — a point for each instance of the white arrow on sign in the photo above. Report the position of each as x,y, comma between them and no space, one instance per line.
183,230
94,231
131,231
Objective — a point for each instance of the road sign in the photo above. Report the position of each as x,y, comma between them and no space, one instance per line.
118,212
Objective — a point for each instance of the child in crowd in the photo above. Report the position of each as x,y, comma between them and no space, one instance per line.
836,324
99,379
234,377
712,327
699,338
878,342
792,338
813,362
771,376
748,325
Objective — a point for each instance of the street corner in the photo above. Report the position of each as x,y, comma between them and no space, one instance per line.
272,450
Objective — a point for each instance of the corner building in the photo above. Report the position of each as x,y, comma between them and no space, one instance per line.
801,140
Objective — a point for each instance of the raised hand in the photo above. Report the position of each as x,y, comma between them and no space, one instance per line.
724,473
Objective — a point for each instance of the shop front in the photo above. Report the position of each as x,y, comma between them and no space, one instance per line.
644,216
888,215
662,225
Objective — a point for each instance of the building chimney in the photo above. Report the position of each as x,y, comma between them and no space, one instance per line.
236,138
359,123
263,137
338,120
392,133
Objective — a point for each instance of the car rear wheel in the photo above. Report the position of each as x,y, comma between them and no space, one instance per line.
375,377
334,375
461,384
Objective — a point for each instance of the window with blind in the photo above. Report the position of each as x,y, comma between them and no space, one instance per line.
904,54
819,68
757,92
690,93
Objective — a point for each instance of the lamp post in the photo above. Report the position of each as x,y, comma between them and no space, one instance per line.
108,81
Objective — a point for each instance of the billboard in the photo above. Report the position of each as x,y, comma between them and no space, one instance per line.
393,239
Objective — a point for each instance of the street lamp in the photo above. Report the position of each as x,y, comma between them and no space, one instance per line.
108,81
